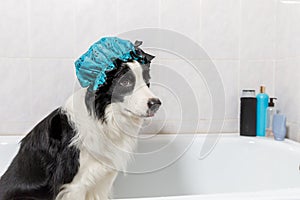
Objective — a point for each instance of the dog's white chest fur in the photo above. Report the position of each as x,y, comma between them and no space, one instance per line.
104,148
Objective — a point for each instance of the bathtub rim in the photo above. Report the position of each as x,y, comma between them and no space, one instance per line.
12,138
289,193
293,193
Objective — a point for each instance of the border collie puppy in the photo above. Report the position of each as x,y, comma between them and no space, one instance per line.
76,152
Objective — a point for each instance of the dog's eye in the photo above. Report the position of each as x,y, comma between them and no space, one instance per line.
126,83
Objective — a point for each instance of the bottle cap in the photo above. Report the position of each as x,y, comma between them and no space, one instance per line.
262,89
248,93
271,103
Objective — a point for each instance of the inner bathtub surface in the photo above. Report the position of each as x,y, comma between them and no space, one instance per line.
9,145
170,165
236,164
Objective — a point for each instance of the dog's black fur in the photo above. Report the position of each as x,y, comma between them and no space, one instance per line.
44,162
109,92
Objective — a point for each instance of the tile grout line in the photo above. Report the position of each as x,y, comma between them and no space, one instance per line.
239,64
29,9
275,46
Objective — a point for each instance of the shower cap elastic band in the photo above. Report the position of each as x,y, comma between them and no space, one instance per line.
92,66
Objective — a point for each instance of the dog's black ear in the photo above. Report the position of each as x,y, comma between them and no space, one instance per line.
145,56
58,123
118,63
138,43
149,57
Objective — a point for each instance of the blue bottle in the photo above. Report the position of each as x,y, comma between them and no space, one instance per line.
279,127
261,117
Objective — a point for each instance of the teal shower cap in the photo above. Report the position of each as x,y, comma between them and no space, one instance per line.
92,66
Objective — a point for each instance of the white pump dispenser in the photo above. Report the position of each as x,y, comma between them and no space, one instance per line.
271,111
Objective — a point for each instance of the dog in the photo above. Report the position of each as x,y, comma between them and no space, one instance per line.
75,153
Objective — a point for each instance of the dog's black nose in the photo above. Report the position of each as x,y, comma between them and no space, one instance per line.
153,104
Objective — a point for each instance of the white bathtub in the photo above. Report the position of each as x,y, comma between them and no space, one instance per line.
169,167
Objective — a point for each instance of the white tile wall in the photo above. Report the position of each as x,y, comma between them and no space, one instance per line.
15,95
287,87
229,72
249,43
258,29
15,90
134,14
52,29
14,26
189,87
220,28
256,73
293,128
287,73
94,19
184,20
288,30
53,81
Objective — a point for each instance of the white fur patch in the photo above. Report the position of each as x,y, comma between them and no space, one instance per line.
137,101
105,147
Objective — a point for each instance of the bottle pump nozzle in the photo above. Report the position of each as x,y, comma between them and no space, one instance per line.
271,103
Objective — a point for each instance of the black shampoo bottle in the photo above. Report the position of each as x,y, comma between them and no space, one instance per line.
248,113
